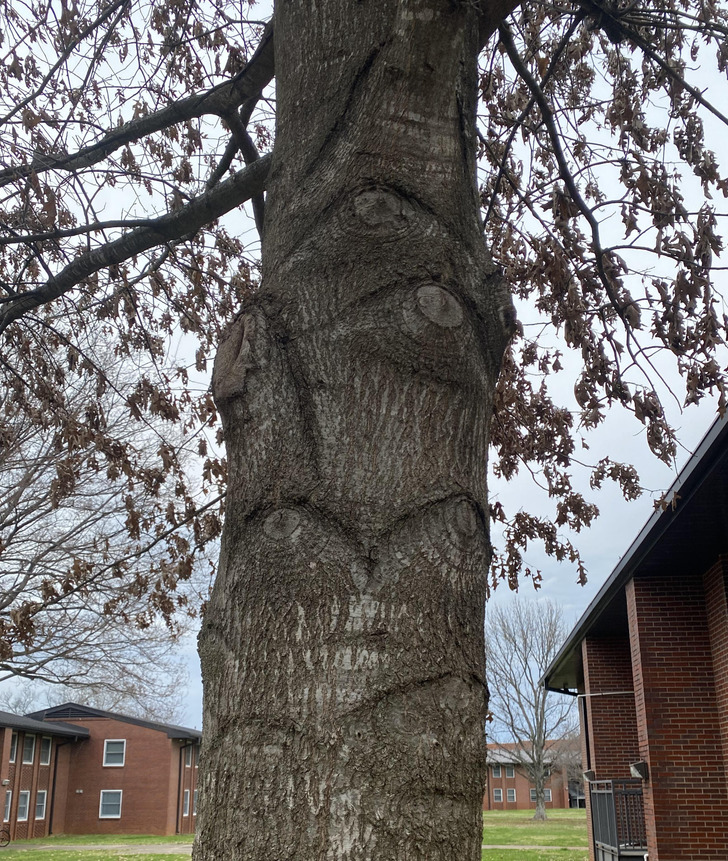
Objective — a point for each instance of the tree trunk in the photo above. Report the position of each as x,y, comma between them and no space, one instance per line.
342,650
539,784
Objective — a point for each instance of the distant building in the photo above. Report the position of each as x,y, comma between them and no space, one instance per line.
649,663
509,788
78,770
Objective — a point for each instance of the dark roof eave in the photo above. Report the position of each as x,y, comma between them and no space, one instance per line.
28,724
172,731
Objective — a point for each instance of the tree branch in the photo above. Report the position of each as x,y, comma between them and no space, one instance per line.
220,100
564,172
70,48
188,219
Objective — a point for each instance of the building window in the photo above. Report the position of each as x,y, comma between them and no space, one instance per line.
186,803
194,803
40,804
496,771
110,804
46,744
546,795
23,804
511,794
188,756
28,749
497,795
510,771
8,802
13,746
114,752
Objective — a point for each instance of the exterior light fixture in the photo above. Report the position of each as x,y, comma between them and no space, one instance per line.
639,769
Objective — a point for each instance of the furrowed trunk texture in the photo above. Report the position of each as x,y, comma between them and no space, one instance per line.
342,649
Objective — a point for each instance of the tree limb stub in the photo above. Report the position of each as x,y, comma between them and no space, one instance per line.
188,219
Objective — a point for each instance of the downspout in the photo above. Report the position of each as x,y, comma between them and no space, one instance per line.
179,792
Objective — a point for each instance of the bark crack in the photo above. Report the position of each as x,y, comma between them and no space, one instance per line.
405,688
336,130
285,345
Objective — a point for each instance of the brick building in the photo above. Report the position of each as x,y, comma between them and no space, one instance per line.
649,663
507,786
77,770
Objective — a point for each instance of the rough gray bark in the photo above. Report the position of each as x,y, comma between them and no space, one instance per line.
342,649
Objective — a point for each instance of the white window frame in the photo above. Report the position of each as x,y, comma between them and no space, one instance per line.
188,756
104,792
109,741
510,771
28,737
23,796
511,795
8,804
41,795
496,769
546,795
194,803
498,795
13,747
186,803
46,746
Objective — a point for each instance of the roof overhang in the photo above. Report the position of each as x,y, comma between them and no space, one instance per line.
27,724
75,711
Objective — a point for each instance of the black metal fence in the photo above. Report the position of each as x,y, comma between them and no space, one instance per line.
618,819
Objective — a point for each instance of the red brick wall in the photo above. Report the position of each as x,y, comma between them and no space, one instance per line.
60,796
146,781
25,777
716,602
153,781
557,783
188,783
678,719
611,720
610,706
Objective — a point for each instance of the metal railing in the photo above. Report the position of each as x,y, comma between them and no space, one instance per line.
618,819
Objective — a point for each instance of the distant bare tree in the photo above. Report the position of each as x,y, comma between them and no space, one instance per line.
521,640
150,691
19,698
92,598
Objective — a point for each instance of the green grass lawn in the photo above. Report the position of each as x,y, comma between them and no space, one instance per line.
27,853
25,850
535,855
518,828
99,839
508,828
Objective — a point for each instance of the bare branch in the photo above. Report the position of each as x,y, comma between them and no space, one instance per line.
220,101
188,219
